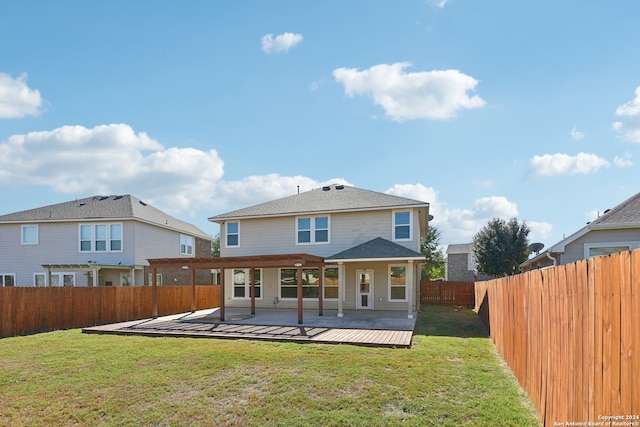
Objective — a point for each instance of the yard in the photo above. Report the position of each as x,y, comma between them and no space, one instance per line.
452,376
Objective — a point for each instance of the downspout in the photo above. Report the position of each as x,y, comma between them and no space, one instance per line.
552,259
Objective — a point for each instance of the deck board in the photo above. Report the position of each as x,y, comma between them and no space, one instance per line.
298,334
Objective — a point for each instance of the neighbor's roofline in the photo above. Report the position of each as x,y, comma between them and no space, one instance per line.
339,260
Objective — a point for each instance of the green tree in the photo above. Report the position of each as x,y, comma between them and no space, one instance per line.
500,247
215,246
429,246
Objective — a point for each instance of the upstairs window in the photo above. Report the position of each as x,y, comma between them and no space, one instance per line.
186,245
402,225
100,237
233,234
29,235
312,230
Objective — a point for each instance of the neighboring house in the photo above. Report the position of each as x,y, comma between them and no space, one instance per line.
460,267
617,230
96,241
368,244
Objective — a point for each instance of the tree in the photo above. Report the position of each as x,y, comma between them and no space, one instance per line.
500,247
215,246
434,266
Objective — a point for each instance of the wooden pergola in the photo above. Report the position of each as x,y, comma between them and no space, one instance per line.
298,261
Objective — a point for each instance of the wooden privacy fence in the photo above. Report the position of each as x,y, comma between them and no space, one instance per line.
25,310
447,293
571,335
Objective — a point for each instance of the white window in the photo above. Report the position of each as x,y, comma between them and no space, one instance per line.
598,249
7,279
311,230
289,283
233,234
397,283
158,279
62,279
29,234
39,280
402,225
186,245
242,284
331,283
100,238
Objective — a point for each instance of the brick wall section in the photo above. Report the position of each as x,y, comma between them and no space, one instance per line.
458,268
178,276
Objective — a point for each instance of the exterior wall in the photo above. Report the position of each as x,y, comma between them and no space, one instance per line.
380,296
261,236
458,268
178,276
575,250
58,243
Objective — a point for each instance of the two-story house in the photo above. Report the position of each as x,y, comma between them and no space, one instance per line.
368,243
95,241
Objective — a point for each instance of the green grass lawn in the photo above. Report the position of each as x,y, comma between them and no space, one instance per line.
452,376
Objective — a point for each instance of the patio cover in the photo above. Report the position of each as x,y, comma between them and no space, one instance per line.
299,261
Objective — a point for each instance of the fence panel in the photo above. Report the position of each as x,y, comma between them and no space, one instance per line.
570,335
447,293
26,310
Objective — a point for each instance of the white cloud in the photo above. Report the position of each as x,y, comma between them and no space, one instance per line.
576,134
623,161
280,43
435,95
438,3
17,99
564,164
629,128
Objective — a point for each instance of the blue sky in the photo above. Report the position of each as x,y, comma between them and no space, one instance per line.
484,109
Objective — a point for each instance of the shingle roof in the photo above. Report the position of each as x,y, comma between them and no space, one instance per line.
376,249
627,212
333,198
104,208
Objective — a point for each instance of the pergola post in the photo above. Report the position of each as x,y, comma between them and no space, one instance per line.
320,286
410,289
221,293
154,293
253,291
193,290
340,287
299,279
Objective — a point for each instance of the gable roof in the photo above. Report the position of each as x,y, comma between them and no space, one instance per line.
104,208
459,248
331,198
377,248
626,214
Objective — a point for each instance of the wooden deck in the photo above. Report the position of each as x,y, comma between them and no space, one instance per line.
297,334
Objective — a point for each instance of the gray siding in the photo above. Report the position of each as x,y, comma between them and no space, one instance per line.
277,235
574,251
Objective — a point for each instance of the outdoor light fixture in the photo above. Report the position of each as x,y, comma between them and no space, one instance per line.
297,264
185,267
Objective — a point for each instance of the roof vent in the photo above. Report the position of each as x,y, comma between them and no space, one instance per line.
143,203
326,188
117,197
103,197
340,187
82,204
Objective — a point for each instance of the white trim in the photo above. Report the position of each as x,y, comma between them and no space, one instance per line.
108,238
8,274
22,227
406,285
188,239
359,294
60,275
394,225
44,276
631,245
226,234
376,259
312,229
247,284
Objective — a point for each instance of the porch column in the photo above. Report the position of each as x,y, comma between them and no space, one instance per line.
253,291
340,287
299,278
320,286
47,278
221,293
193,290
132,273
96,271
154,292
410,289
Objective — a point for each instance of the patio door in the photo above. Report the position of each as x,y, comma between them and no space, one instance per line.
364,294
